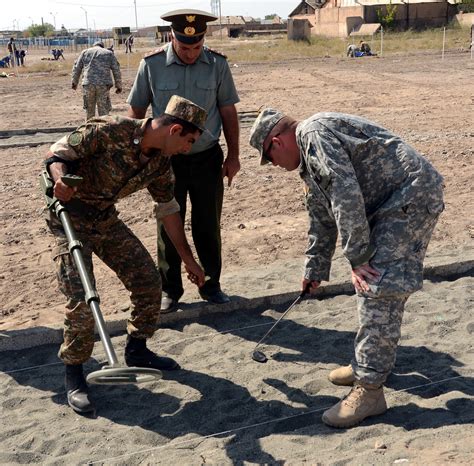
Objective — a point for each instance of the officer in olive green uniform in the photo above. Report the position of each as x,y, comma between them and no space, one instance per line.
187,68
383,199
118,156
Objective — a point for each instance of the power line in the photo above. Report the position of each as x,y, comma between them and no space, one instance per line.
115,6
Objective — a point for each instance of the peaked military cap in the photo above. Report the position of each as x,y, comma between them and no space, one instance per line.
189,26
188,111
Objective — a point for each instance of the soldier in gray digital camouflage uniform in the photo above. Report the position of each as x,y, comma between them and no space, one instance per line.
97,63
383,199
117,156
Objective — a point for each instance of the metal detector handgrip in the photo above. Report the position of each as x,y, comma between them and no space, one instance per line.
71,180
47,188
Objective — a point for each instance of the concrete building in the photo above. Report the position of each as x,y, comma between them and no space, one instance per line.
338,18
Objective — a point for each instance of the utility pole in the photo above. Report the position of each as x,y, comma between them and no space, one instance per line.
54,18
87,22
136,17
220,18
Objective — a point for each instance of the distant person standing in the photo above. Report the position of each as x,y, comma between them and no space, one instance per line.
129,43
97,63
22,57
11,46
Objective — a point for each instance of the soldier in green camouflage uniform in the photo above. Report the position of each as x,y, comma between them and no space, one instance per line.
117,156
96,63
383,199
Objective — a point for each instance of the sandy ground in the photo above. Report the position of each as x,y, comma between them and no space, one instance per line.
426,100
224,408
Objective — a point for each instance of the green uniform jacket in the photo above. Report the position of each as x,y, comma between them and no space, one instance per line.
105,152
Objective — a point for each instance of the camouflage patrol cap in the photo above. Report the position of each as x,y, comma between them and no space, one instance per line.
263,125
189,26
188,111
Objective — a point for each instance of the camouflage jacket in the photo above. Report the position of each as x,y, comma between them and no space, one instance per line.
96,63
353,170
106,152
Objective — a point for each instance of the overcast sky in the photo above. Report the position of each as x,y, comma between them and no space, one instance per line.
105,14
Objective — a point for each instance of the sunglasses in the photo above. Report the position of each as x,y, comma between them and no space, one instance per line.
266,153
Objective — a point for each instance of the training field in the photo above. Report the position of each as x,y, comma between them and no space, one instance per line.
224,408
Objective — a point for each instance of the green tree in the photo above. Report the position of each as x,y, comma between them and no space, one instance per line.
270,16
387,20
41,30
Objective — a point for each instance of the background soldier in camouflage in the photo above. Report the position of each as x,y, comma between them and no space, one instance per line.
97,63
384,199
118,156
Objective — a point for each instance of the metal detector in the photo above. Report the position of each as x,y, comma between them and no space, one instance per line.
113,373
259,356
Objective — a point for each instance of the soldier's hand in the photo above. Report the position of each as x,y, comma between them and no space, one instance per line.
74,86
118,90
195,274
362,276
63,192
309,286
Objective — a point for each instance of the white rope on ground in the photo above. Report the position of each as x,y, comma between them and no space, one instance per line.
212,335
258,424
32,367
196,337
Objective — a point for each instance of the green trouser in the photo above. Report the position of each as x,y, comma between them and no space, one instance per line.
116,245
200,176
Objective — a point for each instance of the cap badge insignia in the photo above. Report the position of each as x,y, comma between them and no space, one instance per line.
189,31
190,18
75,138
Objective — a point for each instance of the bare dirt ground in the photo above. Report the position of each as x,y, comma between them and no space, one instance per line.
222,408
426,100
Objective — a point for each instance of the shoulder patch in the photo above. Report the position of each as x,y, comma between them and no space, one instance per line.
155,52
75,138
216,52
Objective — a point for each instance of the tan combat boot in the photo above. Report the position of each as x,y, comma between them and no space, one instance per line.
359,404
342,376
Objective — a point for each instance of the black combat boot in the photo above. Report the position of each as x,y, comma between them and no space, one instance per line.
138,355
76,388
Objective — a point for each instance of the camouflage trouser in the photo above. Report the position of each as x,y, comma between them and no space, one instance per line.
401,238
96,95
114,243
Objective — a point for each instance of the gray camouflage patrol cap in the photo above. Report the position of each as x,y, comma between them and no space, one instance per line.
265,122
186,110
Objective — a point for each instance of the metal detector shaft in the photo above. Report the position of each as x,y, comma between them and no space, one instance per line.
91,295
112,373
295,302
